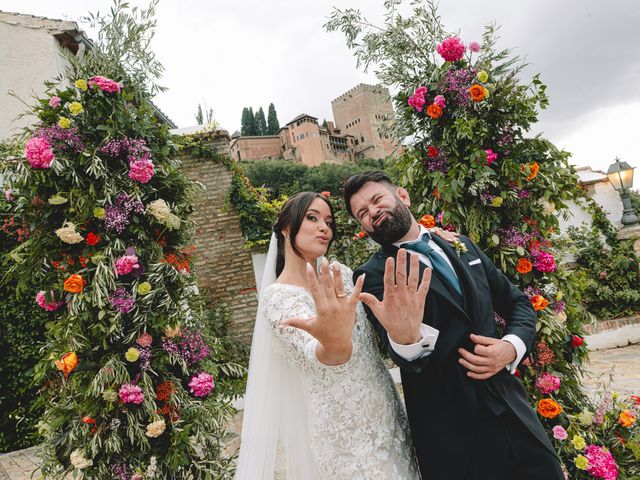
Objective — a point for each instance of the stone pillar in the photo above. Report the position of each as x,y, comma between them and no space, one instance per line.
631,233
223,266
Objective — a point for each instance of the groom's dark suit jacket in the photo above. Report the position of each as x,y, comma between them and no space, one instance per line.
443,404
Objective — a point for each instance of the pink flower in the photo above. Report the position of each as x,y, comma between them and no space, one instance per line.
130,393
8,195
601,462
41,299
491,156
144,340
545,262
547,383
559,433
126,264
39,153
417,100
201,385
451,49
474,47
141,170
54,102
440,101
105,84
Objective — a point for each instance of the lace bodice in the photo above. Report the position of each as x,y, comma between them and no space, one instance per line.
358,426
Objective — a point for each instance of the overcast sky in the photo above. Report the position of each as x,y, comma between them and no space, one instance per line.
232,54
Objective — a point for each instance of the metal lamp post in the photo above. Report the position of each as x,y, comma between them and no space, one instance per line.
621,177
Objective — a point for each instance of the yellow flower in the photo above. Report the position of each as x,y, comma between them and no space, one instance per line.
486,92
110,395
64,122
99,212
75,108
578,442
483,76
581,462
144,288
132,355
170,331
497,201
81,83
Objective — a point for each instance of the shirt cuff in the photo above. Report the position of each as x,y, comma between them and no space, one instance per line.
424,347
521,349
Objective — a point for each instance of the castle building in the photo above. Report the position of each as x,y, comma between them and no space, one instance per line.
359,113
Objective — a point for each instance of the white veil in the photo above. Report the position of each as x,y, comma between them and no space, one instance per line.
275,408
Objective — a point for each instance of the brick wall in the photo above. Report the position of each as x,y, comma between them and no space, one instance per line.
223,266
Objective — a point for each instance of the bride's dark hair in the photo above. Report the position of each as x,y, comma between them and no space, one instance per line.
292,215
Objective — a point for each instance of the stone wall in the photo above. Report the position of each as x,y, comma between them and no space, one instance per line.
223,266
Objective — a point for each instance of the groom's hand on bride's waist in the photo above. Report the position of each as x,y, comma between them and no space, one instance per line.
402,307
489,356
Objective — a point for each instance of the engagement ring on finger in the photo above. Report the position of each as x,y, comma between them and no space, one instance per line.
341,295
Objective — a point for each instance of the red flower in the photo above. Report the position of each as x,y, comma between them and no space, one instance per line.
83,261
576,341
326,194
88,420
636,399
433,151
92,239
517,374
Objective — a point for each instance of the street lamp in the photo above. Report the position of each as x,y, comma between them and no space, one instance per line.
621,177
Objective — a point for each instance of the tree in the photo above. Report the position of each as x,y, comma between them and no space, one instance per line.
472,167
127,370
208,114
272,121
260,123
251,117
246,122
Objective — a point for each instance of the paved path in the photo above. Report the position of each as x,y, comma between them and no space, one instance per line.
618,366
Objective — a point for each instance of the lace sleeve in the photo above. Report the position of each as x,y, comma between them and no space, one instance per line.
298,346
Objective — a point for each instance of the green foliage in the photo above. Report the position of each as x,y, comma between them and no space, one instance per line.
509,204
206,115
84,416
273,125
260,123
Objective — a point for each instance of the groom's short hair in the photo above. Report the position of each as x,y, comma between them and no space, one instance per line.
355,183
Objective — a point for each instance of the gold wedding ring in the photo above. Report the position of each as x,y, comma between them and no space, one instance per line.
341,295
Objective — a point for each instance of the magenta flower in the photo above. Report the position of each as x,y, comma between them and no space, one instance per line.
8,195
547,383
141,170
440,101
201,385
474,47
105,84
130,393
54,101
559,433
545,262
451,49
41,299
126,264
39,153
491,156
121,301
601,462
417,100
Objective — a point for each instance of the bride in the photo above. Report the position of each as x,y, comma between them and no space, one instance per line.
324,400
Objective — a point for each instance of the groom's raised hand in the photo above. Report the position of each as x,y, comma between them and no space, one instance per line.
402,307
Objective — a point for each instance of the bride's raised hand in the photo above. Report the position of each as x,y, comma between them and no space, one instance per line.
335,314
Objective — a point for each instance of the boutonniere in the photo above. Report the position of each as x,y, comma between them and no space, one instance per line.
459,247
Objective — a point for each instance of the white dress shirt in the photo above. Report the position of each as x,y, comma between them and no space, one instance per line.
427,343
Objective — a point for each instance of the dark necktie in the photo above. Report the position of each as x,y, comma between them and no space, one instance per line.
439,264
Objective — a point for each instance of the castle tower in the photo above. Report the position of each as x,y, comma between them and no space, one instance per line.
360,112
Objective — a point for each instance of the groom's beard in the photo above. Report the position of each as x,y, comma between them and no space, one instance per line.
394,227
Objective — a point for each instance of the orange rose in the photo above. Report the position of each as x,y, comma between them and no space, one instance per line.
74,283
627,419
524,266
67,363
361,234
477,93
539,302
434,111
549,408
533,169
427,221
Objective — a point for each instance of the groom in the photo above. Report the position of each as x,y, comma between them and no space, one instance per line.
470,418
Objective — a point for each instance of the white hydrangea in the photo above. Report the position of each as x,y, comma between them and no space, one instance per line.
78,460
172,222
151,469
68,234
159,210
155,429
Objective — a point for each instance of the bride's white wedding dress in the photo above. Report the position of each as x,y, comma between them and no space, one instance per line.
357,424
